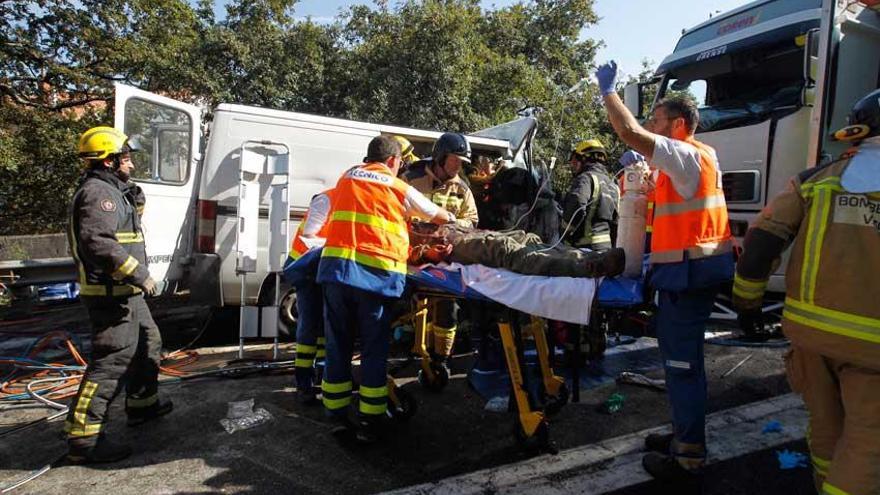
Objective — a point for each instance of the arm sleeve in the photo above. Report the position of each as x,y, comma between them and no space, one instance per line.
418,206
469,217
319,212
574,203
772,232
680,161
97,235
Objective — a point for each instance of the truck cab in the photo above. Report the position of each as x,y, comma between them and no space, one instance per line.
772,79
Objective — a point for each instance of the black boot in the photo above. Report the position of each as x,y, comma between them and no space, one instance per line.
659,442
141,415
370,429
85,451
666,469
307,396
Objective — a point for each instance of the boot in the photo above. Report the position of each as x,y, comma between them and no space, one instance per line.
88,451
306,392
141,415
604,264
666,469
659,442
370,429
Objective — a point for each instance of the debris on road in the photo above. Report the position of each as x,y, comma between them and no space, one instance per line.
791,460
639,379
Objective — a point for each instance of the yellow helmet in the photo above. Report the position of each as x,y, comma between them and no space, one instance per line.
407,150
591,148
100,142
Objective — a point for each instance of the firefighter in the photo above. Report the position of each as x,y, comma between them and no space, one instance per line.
438,179
310,340
362,267
589,209
831,217
107,244
407,153
691,258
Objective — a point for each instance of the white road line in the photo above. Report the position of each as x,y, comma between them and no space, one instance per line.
616,463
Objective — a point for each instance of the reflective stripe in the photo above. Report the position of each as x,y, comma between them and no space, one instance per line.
748,289
818,223
829,320
371,220
444,331
321,354
335,388
334,404
305,356
303,348
304,362
367,408
81,431
598,239
138,403
125,269
129,237
829,489
82,403
588,238
649,228
696,204
365,259
373,392
294,254
820,465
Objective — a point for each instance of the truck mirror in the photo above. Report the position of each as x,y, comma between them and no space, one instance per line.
632,98
811,67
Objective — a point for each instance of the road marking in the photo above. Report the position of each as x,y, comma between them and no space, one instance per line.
615,463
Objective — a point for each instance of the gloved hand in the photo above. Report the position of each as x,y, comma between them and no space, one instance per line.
149,287
606,74
631,157
751,322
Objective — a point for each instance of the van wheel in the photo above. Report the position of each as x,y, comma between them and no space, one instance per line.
287,309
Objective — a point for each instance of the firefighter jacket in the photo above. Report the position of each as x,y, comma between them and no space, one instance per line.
590,208
697,226
832,275
105,236
453,195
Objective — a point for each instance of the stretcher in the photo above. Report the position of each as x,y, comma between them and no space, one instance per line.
531,426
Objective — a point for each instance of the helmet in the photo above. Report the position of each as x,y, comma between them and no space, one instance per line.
591,148
407,150
451,143
100,142
863,120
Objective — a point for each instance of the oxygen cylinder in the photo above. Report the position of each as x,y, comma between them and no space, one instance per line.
632,217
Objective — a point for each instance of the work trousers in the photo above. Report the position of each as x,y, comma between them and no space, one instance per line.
348,310
844,430
126,348
309,333
522,252
681,324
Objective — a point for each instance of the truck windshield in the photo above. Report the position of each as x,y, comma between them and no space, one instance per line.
741,88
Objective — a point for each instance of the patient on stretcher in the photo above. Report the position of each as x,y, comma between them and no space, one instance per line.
516,251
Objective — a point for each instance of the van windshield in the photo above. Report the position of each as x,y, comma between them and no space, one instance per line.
742,88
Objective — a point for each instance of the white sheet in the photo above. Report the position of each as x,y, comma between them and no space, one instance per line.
559,298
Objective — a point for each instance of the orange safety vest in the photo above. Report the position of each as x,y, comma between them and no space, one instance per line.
698,226
367,240
298,247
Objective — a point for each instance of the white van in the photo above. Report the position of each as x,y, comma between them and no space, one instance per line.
191,183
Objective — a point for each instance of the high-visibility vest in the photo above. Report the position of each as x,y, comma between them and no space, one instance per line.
298,247
698,226
367,240
832,276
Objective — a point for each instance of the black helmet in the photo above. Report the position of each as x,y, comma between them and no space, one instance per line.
863,120
451,143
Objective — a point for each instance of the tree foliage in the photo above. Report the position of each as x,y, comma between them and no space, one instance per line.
435,64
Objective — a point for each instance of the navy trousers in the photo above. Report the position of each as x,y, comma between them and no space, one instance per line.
309,333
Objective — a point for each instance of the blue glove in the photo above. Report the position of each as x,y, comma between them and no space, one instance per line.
631,157
606,74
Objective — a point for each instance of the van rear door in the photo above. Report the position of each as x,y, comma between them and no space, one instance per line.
169,134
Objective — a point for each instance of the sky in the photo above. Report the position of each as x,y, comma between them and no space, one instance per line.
632,30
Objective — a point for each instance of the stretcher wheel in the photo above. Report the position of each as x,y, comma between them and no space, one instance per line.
540,441
404,407
440,377
554,403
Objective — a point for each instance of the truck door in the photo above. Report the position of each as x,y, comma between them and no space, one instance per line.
168,132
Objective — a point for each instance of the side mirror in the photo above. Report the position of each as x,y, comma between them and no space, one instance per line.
811,66
632,98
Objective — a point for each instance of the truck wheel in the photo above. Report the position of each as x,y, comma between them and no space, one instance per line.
287,309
